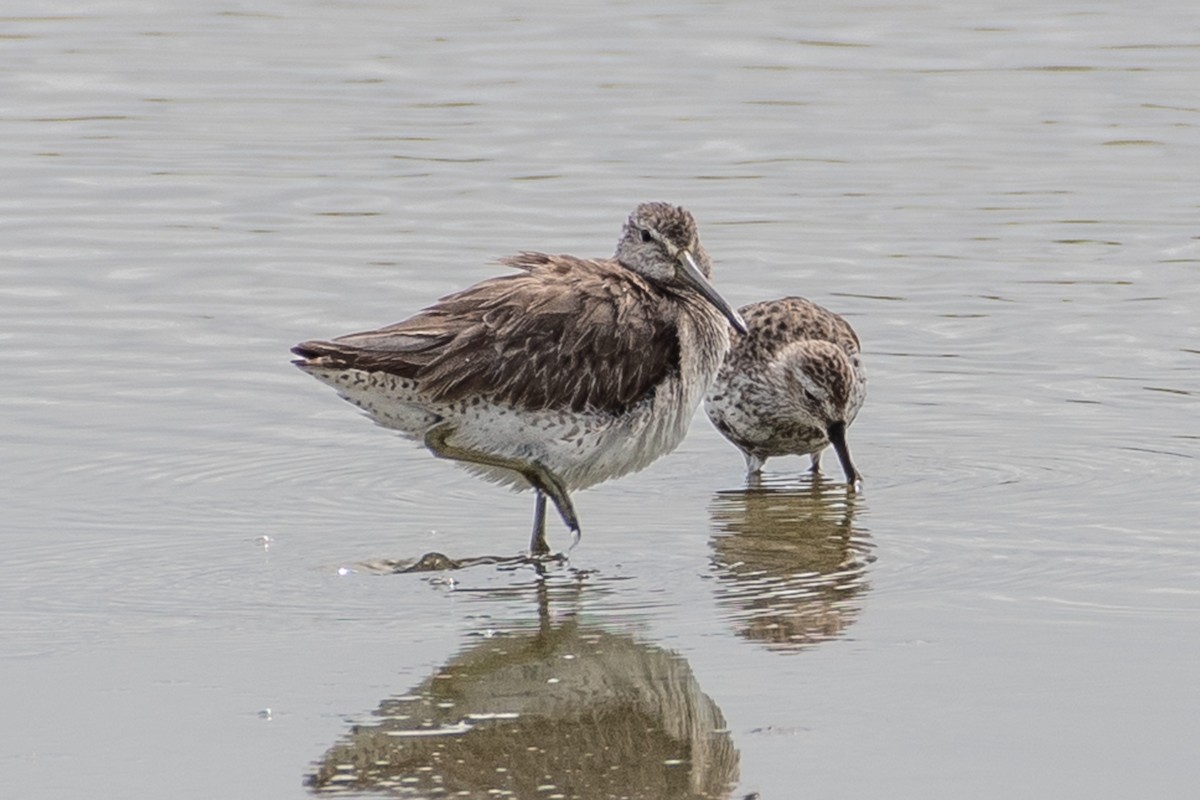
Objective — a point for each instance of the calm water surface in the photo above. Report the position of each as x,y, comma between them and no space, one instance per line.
195,599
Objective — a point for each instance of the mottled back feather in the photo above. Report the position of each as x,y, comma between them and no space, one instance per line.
774,324
558,335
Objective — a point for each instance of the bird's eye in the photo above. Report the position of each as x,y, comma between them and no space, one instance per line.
647,236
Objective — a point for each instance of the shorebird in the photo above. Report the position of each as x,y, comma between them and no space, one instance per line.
564,374
790,386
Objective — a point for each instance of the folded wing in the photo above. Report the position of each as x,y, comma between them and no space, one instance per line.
560,334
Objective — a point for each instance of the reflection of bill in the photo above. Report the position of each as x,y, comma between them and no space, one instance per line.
567,711
791,566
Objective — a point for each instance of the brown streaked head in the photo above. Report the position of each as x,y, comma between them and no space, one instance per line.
660,243
821,380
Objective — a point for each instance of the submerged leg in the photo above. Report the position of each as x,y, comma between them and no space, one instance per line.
537,543
540,478
754,464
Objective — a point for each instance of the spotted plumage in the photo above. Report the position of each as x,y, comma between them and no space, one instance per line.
563,374
791,385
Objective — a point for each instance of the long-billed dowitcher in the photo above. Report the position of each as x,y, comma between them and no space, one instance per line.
564,374
791,385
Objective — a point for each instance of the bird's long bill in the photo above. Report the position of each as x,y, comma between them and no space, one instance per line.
700,283
837,437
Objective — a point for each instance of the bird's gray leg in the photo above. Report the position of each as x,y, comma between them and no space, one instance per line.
542,479
815,469
754,465
537,543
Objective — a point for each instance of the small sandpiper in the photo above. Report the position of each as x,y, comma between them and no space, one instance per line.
564,374
790,386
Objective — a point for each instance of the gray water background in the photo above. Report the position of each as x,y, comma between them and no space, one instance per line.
1002,200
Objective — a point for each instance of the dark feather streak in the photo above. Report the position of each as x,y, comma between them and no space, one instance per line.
558,334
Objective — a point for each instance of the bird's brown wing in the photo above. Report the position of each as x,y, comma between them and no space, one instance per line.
775,323
564,333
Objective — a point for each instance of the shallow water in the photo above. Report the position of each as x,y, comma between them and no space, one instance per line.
1003,203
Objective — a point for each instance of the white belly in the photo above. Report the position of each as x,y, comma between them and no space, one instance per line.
582,449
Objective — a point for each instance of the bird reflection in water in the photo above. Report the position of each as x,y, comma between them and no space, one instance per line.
563,710
789,561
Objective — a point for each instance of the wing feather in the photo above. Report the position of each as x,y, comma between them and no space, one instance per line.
563,333
776,323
